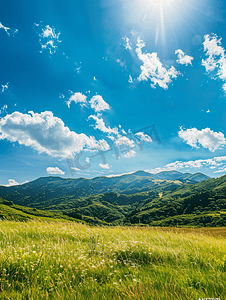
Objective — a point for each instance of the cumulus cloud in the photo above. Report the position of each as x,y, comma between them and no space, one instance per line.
8,30
104,166
54,171
127,43
182,58
207,138
98,103
5,87
101,125
123,140
153,69
49,38
77,98
12,182
199,163
143,137
129,154
216,60
44,133
103,145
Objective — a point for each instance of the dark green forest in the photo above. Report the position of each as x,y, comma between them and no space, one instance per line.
164,199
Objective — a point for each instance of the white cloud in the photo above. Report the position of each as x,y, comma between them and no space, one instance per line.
77,98
129,154
182,58
221,170
118,175
213,49
104,166
127,43
123,140
103,145
3,109
8,30
199,163
12,182
207,138
130,79
54,171
153,69
87,159
216,57
49,38
122,63
78,67
74,168
143,137
101,125
44,133
5,87
61,96
98,103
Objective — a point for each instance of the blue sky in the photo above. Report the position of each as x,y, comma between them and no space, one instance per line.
106,87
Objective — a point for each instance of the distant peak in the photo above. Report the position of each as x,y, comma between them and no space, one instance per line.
142,173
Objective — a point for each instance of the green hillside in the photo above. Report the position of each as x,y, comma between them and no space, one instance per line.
10,211
48,188
139,198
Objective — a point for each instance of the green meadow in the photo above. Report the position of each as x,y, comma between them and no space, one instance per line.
68,260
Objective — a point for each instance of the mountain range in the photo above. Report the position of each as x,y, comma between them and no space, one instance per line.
168,198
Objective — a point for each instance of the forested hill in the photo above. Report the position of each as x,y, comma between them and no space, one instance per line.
47,188
163,199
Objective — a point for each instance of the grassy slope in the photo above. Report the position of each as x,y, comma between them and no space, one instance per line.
14,212
42,260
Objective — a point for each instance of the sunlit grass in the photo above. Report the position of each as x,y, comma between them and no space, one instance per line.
40,260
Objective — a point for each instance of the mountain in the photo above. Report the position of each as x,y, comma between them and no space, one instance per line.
47,188
203,202
163,199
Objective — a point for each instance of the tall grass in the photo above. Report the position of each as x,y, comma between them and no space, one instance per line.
40,260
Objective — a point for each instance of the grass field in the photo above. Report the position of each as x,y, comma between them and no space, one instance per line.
58,260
